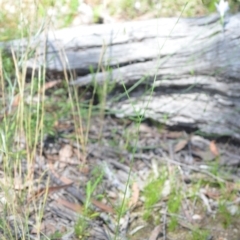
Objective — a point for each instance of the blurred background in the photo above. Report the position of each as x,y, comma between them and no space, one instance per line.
20,18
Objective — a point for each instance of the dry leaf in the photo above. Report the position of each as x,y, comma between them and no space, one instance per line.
52,158
102,206
44,227
135,195
84,169
47,191
16,100
73,206
145,128
213,194
213,148
180,145
174,135
49,85
80,156
155,233
65,153
203,155
62,178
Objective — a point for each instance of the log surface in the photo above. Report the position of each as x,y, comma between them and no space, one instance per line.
180,72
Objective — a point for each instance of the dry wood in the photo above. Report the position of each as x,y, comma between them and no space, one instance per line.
191,65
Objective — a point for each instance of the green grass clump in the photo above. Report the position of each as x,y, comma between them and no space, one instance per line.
173,207
224,215
153,192
56,235
199,234
82,224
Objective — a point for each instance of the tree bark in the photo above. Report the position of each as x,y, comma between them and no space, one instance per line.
180,72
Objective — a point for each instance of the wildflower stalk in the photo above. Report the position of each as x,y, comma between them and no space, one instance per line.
222,8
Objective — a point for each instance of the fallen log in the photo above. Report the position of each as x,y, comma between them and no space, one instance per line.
191,67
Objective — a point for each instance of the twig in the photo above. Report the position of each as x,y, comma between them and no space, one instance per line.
205,201
193,168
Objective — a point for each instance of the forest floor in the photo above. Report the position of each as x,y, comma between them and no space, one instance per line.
128,181
143,182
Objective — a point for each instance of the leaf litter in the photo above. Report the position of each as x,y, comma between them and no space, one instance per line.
126,170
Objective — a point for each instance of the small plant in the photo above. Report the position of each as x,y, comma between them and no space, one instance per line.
173,207
80,228
81,225
225,215
56,235
153,192
91,187
199,234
